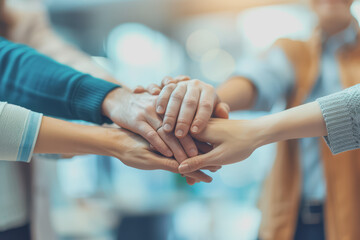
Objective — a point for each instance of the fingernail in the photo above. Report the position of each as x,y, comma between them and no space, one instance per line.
159,109
192,152
194,129
167,127
183,167
179,133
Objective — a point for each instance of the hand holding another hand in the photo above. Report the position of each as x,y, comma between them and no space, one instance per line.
232,141
136,112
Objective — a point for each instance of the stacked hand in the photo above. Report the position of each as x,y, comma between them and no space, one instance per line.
175,120
182,104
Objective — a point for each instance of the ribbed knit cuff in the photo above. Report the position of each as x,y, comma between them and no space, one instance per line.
88,98
339,123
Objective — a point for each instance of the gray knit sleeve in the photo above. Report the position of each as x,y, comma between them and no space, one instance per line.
341,113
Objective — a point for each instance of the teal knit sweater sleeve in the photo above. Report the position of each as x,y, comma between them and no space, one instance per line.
36,82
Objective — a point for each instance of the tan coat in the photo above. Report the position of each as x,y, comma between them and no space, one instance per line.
282,190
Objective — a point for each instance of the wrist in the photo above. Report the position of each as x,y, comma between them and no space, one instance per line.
266,130
113,100
107,141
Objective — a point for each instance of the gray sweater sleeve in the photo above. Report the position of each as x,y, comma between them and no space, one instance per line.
341,113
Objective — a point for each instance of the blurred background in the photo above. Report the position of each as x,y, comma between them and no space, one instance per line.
140,42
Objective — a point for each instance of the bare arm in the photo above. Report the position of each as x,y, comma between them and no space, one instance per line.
61,137
236,140
238,92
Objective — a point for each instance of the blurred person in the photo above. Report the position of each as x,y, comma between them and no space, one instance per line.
310,194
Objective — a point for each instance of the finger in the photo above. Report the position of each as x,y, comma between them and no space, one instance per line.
199,162
222,110
164,97
187,111
147,132
164,163
139,89
189,146
190,181
205,109
180,155
173,143
167,80
181,78
153,119
173,107
153,89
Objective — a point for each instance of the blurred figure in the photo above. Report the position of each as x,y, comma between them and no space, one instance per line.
27,23
309,194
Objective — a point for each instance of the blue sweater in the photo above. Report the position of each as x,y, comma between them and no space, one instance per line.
36,82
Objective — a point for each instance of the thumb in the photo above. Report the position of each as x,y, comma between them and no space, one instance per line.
222,110
199,162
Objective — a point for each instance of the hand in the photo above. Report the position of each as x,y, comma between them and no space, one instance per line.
136,112
233,141
186,104
134,151
67,138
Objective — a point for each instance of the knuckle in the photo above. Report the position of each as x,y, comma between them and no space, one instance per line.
170,87
177,96
196,82
183,121
169,117
171,164
200,121
151,135
207,105
166,79
190,102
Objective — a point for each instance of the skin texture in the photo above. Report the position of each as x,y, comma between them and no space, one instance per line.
235,140
187,105
61,137
136,112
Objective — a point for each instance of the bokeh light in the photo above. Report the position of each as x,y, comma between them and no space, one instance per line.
200,42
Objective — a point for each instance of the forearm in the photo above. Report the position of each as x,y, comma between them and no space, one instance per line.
239,93
34,81
300,122
61,137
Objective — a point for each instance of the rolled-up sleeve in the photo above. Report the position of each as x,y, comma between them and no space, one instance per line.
19,129
273,77
341,112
